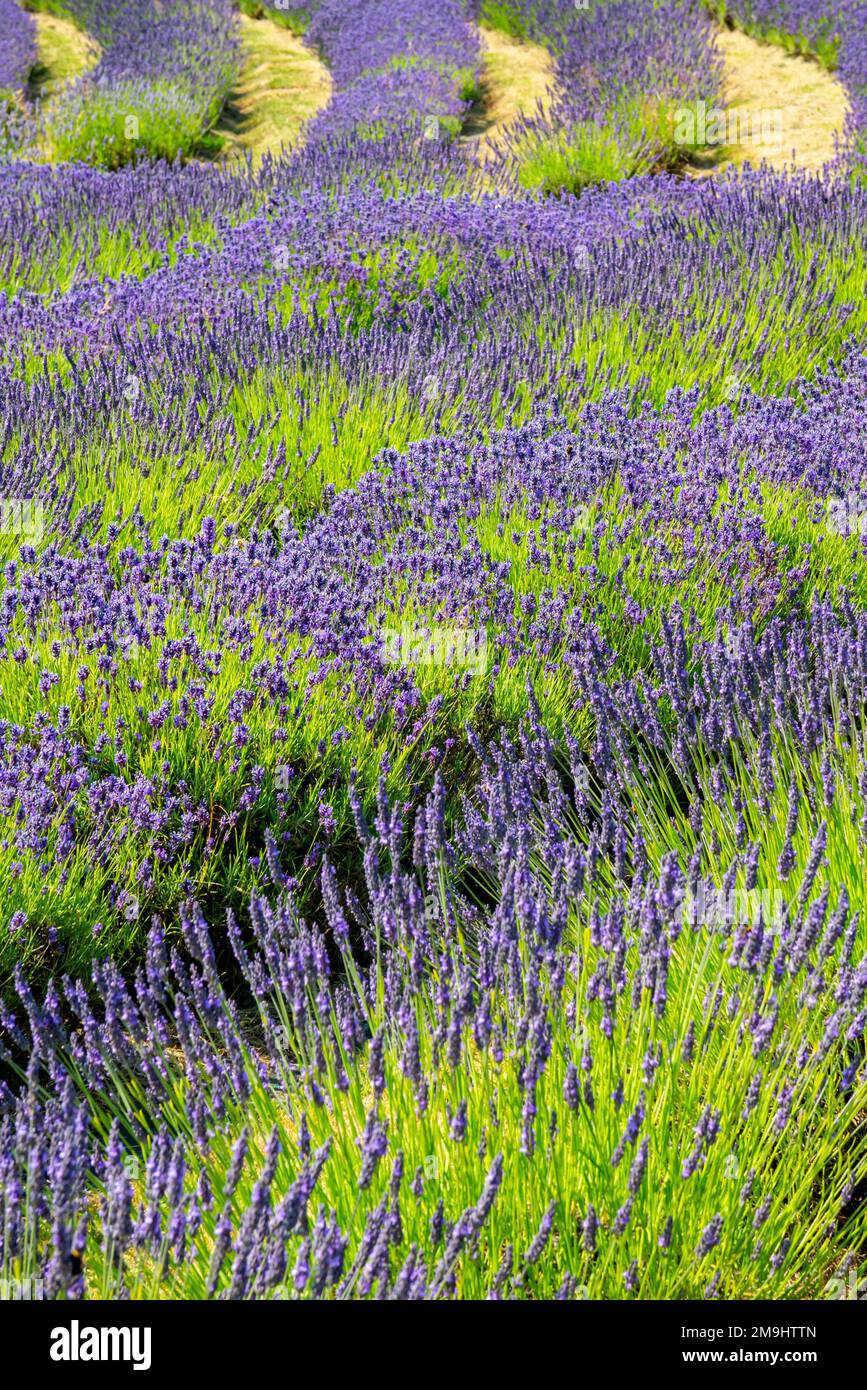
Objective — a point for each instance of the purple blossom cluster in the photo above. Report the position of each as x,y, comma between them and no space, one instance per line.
268,1241
394,64
55,213
488,969
17,46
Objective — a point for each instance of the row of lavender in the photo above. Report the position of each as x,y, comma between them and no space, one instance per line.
162,76
607,50
17,46
394,66
623,70
623,251
549,1063
171,700
162,41
608,56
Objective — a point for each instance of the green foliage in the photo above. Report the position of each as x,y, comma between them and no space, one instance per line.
504,16
638,139
468,86
126,121
295,18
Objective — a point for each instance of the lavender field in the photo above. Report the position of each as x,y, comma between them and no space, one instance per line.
433,662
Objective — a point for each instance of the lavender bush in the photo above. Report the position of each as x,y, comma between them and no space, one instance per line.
17,47
161,80
622,69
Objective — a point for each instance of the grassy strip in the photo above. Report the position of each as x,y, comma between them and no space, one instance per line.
283,85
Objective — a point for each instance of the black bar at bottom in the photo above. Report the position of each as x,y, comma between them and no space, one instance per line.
63,1340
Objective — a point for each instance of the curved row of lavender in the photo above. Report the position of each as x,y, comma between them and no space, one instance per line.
631,249
623,70
163,73
394,65
17,46
614,48
191,43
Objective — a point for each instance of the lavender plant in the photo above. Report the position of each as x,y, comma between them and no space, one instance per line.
17,48
622,69
163,74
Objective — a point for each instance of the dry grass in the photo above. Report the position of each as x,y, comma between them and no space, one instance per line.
517,76
760,77
64,54
282,86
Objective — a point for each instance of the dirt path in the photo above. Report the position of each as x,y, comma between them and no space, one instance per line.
64,53
793,106
282,86
517,75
